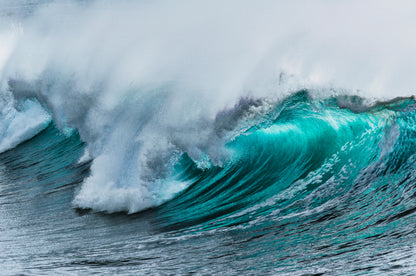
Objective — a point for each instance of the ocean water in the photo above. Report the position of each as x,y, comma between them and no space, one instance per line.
164,138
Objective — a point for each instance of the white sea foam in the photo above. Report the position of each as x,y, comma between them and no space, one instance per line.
145,80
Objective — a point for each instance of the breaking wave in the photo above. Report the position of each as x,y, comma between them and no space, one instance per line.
285,131
204,95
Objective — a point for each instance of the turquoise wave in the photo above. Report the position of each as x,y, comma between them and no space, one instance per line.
311,182
304,156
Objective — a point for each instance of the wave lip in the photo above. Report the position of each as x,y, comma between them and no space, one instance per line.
19,126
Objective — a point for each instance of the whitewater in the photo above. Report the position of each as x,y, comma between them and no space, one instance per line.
207,137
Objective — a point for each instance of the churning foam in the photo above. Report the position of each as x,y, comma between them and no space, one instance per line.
144,81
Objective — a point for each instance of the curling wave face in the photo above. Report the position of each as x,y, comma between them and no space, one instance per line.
306,156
